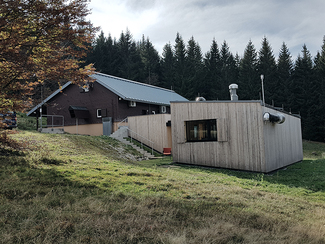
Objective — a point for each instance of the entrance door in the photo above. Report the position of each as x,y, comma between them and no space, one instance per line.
107,126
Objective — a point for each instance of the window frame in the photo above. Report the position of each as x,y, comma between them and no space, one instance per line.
99,113
204,130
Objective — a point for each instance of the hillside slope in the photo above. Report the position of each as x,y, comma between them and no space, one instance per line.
83,189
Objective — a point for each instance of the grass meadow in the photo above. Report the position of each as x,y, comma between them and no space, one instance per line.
84,189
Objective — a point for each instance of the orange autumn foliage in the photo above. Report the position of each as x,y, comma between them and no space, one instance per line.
41,40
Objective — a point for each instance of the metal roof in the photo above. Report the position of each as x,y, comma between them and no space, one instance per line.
127,90
136,91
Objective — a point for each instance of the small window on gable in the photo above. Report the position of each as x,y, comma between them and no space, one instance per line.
99,113
201,130
163,109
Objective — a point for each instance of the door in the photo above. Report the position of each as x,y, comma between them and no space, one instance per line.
107,126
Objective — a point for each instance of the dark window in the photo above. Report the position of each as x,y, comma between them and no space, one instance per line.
79,112
201,130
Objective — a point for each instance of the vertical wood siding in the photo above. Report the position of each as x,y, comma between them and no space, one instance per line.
152,127
283,142
241,135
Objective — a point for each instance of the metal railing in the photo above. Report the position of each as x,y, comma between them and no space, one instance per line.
133,138
52,124
151,142
123,121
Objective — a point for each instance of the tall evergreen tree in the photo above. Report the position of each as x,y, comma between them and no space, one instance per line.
284,71
267,67
319,72
168,67
194,69
249,78
104,55
151,62
99,52
180,65
212,73
229,71
112,56
129,60
304,96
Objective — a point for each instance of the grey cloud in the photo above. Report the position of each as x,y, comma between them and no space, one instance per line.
140,5
294,22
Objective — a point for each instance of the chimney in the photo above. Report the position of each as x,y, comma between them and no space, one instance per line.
232,90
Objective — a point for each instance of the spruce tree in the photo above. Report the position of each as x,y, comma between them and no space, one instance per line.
249,78
104,55
229,71
180,65
98,54
151,62
212,73
304,94
284,71
319,104
267,67
194,70
128,60
168,67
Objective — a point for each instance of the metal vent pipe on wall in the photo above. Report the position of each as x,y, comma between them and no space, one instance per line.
274,118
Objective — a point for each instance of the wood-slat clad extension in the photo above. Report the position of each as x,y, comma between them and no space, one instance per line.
245,141
153,128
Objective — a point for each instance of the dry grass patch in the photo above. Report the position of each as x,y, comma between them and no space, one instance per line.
81,189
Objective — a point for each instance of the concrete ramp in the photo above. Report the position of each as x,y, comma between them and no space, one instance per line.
51,130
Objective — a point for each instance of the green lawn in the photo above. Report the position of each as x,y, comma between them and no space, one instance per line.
84,189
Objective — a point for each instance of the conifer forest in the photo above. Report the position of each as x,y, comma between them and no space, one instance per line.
297,86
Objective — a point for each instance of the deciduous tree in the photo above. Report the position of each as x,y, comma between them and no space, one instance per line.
41,40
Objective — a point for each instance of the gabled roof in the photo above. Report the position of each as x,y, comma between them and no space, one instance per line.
48,98
127,90
136,91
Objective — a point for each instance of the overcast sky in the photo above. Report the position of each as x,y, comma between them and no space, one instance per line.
295,22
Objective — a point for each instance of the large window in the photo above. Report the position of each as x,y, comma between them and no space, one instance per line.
201,130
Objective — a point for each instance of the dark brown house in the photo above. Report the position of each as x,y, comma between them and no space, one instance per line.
99,108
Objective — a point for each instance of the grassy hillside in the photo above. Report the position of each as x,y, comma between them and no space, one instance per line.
83,189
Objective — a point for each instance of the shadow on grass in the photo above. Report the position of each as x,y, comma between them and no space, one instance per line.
9,152
307,174
20,180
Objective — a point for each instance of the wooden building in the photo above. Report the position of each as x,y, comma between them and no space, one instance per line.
235,134
99,108
152,130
